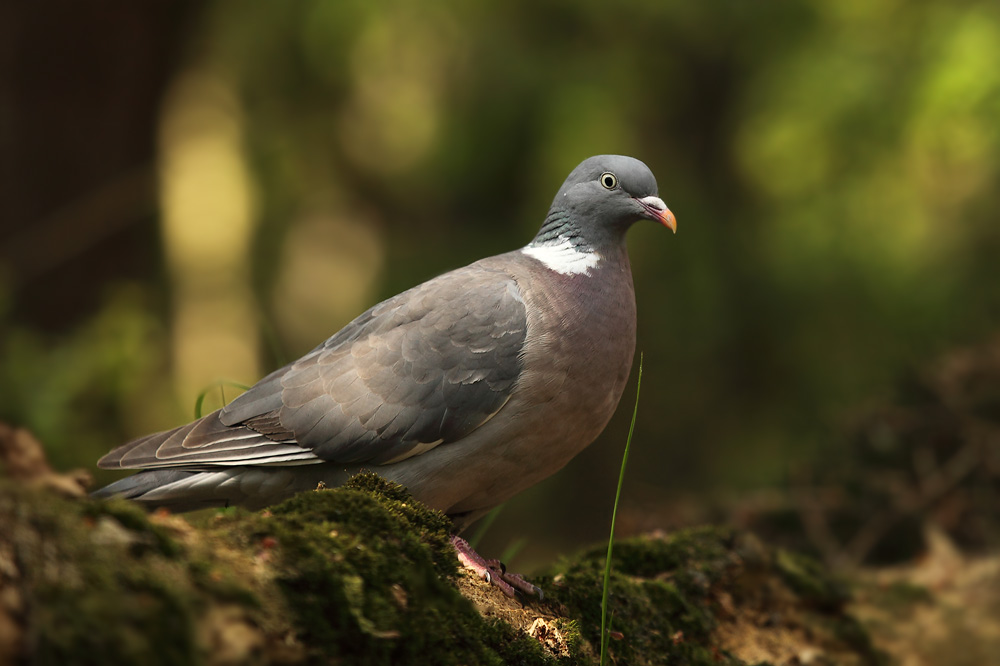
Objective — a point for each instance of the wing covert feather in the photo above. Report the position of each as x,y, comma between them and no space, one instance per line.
423,368
432,364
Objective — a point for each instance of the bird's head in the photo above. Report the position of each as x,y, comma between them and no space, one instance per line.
612,191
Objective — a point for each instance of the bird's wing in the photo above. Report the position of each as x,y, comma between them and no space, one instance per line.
423,368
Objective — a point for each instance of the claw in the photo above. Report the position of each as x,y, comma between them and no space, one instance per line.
493,572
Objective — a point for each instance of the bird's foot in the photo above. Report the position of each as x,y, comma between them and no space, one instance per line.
493,571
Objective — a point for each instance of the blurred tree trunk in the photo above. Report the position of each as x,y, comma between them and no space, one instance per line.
80,87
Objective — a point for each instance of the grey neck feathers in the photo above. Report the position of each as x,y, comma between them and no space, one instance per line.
562,227
558,228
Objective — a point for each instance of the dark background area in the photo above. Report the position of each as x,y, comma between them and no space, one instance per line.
193,192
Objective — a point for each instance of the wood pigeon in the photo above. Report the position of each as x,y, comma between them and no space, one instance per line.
466,389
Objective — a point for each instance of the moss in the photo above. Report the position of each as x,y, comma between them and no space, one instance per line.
902,596
570,630
512,646
135,519
359,574
811,580
367,573
95,591
658,597
850,631
362,574
670,595
827,595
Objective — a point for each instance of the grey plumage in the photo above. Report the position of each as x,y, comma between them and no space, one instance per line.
466,389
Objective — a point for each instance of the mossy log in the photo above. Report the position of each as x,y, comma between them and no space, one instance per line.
363,574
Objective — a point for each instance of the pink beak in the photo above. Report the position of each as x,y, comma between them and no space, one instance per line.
659,211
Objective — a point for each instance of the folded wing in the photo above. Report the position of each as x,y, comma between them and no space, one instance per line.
424,368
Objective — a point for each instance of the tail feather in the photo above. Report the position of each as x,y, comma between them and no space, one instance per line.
192,489
138,486
209,441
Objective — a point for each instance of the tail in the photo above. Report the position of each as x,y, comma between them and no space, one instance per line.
143,486
191,489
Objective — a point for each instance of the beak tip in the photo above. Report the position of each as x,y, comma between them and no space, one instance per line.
655,209
670,221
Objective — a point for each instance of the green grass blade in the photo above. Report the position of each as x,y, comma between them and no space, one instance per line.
605,629
221,384
484,527
512,550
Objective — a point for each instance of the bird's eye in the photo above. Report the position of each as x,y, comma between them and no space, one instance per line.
609,180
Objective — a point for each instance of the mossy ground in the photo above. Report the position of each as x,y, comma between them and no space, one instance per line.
369,576
710,596
364,575
354,575
100,583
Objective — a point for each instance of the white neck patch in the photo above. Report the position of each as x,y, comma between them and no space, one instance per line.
564,257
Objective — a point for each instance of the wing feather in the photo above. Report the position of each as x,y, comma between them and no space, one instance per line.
421,369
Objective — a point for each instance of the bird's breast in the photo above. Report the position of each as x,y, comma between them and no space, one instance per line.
575,363
578,351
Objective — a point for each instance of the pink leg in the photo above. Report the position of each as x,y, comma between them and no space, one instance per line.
492,571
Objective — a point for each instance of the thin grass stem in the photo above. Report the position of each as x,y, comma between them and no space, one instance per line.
200,402
605,629
484,527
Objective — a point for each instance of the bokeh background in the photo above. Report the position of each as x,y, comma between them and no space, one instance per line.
200,191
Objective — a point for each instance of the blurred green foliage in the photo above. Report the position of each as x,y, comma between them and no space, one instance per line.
81,391
833,166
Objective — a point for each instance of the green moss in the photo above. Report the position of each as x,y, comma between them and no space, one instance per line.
512,646
570,630
658,599
847,629
665,596
99,592
902,596
366,571
362,574
826,594
135,519
811,580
